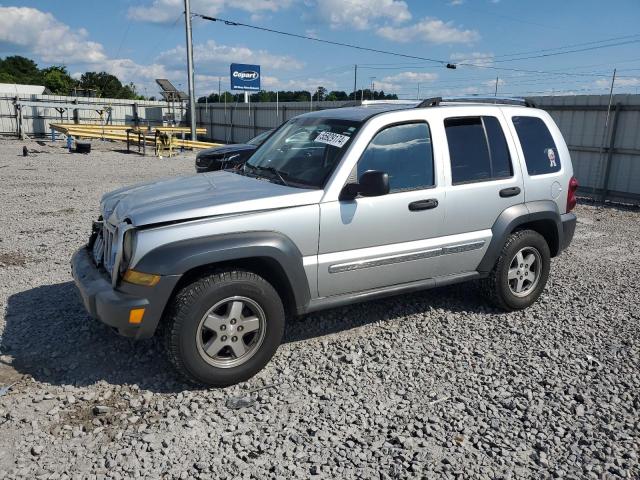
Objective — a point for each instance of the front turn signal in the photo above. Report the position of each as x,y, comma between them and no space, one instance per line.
140,278
135,316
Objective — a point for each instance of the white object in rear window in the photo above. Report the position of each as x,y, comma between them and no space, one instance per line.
330,138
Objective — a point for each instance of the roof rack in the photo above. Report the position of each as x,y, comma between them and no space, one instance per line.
437,101
390,102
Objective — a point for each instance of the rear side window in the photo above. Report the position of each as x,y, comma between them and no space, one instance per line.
404,152
540,152
477,149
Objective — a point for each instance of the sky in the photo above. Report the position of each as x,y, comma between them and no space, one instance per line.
576,44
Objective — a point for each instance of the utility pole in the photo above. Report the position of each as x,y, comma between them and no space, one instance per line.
355,80
219,81
192,95
495,94
606,131
418,96
372,86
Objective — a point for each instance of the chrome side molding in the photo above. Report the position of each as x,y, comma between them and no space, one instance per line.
405,257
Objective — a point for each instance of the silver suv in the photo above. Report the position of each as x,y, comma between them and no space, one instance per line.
336,207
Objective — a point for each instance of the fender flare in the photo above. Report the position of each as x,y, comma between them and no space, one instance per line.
510,219
177,258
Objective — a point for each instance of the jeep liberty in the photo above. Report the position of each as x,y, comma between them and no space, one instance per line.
337,206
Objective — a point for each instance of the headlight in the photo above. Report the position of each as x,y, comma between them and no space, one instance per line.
128,247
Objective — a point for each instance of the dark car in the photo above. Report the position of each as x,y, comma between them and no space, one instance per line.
228,156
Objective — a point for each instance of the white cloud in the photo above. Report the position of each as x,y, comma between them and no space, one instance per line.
164,11
620,82
40,35
33,31
360,14
431,30
474,58
412,77
307,84
492,83
394,83
211,56
454,3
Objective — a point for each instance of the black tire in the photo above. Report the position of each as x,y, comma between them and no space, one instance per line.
186,314
496,285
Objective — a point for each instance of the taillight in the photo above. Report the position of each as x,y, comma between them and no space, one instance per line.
571,194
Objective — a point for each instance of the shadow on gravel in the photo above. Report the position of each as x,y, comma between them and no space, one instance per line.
52,338
464,298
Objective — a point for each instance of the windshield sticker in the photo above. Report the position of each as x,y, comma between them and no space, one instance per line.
334,139
551,155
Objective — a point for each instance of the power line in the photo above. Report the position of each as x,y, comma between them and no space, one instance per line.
442,63
573,45
330,42
596,47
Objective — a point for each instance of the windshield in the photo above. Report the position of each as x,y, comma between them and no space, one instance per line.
303,152
258,139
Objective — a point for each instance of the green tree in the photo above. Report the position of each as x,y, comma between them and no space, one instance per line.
105,85
336,95
58,80
21,69
6,77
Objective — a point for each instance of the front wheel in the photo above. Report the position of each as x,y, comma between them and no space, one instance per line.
224,328
521,272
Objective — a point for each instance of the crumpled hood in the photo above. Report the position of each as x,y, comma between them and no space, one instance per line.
197,196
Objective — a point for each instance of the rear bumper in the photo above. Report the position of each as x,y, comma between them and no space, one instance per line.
568,221
112,306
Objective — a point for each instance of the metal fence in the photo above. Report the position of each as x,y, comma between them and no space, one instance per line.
32,114
239,122
606,160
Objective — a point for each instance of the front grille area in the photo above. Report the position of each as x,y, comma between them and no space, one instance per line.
103,250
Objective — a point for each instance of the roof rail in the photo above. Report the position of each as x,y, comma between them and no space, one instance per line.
430,102
390,102
436,101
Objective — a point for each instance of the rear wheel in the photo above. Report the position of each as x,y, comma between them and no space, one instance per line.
521,272
224,328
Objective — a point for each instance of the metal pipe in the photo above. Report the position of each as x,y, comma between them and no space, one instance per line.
192,98
612,146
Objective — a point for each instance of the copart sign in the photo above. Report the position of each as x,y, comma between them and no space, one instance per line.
245,77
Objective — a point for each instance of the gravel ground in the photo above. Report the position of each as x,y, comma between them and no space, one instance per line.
435,384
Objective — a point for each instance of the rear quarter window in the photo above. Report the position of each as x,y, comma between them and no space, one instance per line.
478,150
540,151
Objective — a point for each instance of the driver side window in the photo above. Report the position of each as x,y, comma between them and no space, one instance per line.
404,152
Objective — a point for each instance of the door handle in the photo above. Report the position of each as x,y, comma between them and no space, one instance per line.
510,192
423,204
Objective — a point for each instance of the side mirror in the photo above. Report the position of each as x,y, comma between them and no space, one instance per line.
372,183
